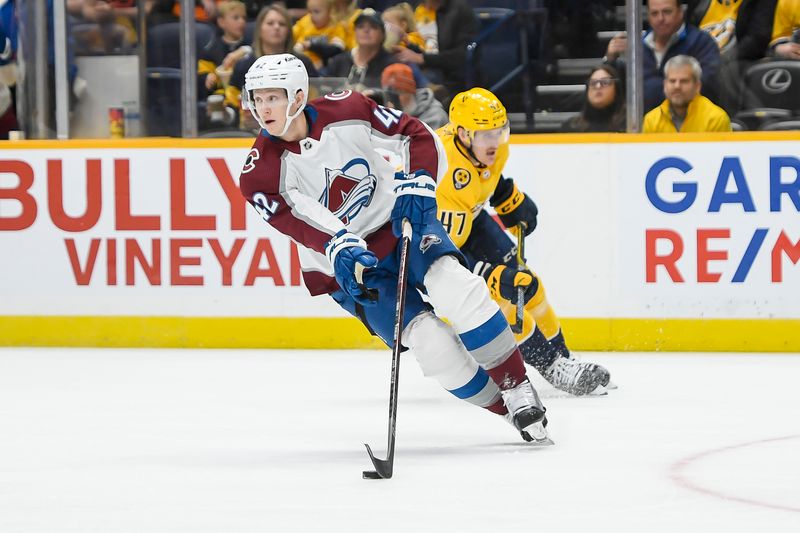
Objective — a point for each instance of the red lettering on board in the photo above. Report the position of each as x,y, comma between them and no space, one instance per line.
19,193
704,255
783,246
55,196
226,261
264,248
231,189
652,260
82,275
122,202
134,254
180,220
177,261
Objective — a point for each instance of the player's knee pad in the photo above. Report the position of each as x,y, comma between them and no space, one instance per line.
438,351
441,356
458,294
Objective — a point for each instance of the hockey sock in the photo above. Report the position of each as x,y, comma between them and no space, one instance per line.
510,372
538,352
560,345
497,407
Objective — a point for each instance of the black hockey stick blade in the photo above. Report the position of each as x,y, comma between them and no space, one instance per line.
383,467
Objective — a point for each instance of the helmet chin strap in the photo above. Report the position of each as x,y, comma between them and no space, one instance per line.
289,119
469,148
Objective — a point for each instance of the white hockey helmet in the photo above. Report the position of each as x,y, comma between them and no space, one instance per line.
278,71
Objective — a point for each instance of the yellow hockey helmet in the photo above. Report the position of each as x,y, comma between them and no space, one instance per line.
477,109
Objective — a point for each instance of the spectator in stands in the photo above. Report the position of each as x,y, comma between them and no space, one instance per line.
685,109
573,26
669,36
401,28
445,61
603,106
161,11
398,80
216,60
742,31
111,28
344,13
8,117
272,35
8,69
785,42
317,35
296,8
740,28
425,19
363,65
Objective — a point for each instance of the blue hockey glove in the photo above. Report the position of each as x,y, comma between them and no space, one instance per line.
416,201
346,251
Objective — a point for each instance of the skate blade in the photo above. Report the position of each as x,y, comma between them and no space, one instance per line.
539,435
599,391
611,386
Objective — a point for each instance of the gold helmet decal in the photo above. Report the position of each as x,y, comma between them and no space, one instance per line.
477,109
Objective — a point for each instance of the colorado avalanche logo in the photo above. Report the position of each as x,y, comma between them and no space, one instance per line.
348,189
427,241
250,162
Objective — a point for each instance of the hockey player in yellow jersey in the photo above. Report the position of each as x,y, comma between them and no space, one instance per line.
476,143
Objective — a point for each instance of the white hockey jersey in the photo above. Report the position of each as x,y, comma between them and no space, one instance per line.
339,177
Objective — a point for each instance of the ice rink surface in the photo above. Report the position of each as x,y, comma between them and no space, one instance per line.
123,441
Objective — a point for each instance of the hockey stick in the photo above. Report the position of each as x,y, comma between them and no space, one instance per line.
384,467
516,327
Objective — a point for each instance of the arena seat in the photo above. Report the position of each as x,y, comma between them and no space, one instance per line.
772,92
163,110
782,125
164,43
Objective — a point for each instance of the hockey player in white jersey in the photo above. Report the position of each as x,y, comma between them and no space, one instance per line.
315,173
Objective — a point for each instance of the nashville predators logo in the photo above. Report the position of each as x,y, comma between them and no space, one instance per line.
461,178
427,241
348,189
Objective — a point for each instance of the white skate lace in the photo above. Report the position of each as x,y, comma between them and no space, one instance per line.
565,372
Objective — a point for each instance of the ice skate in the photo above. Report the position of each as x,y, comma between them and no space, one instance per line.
526,413
576,377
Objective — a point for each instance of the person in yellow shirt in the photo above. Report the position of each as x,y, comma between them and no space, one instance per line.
685,110
345,13
425,20
317,35
786,30
476,144
402,27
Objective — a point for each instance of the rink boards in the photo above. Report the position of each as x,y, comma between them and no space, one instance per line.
643,243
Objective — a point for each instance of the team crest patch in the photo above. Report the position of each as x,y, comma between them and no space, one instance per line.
427,241
461,178
250,162
348,189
